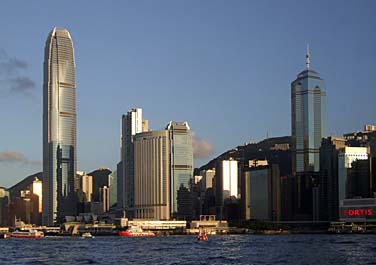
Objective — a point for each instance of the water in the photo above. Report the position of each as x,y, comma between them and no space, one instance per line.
236,249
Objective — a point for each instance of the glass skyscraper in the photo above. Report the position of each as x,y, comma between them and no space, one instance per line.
181,162
308,128
59,128
307,119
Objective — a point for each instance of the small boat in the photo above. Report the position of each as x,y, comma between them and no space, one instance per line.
32,233
5,236
135,231
202,235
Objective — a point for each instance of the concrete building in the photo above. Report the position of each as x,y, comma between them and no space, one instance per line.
207,178
59,128
263,193
345,159
152,175
87,187
307,128
104,198
181,172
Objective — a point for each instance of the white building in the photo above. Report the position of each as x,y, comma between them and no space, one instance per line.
229,178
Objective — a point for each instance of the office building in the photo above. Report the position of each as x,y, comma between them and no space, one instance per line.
226,184
113,187
263,193
307,128
37,189
87,187
181,162
132,124
59,128
152,175
104,198
345,159
328,180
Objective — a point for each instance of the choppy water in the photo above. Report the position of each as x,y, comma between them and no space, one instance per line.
237,249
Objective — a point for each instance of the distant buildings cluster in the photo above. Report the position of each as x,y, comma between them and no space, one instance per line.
305,177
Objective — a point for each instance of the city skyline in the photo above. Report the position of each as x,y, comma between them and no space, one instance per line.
200,71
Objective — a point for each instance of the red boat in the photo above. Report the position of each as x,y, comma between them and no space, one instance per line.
202,235
27,234
135,231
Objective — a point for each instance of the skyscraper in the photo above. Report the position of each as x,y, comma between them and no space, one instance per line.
181,160
132,124
59,128
308,127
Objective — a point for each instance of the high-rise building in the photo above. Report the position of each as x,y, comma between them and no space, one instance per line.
308,127
36,188
152,175
181,161
263,193
328,180
307,119
59,128
226,184
113,187
345,159
87,187
132,124
104,198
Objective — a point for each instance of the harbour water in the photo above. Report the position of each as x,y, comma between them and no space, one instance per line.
230,249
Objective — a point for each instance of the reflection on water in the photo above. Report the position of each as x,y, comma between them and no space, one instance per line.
239,249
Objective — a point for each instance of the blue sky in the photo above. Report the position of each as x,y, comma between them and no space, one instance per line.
223,66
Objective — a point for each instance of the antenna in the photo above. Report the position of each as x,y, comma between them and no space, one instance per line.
308,57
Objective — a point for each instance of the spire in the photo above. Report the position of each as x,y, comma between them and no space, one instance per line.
308,57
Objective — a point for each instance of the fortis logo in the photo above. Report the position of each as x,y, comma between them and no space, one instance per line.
358,212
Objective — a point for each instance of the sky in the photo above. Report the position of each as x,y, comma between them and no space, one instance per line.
223,66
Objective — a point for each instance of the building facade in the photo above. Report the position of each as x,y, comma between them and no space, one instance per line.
345,159
328,180
181,162
59,128
132,124
152,175
263,193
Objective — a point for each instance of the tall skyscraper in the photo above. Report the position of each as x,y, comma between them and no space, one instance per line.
308,127
132,124
181,160
59,128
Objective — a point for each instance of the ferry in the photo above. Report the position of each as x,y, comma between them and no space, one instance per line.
87,235
26,234
135,231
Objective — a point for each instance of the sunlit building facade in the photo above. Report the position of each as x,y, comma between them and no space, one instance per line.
59,128
152,175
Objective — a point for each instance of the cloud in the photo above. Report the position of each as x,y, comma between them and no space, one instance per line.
10,78
16,157
21,84
9,65
201,148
